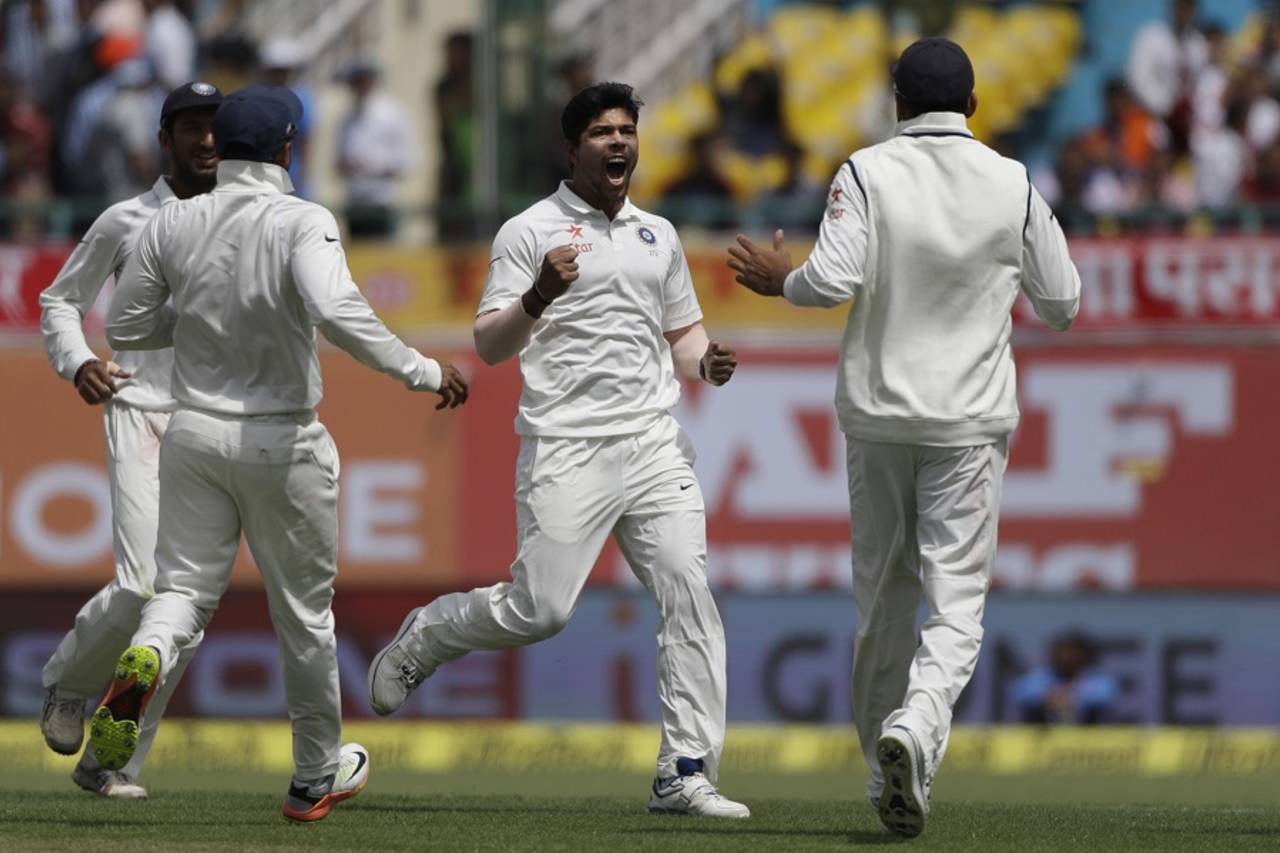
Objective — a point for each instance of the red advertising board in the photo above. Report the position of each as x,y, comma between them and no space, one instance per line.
1133,468
1148,468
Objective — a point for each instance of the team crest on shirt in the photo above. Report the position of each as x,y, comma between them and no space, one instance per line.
646,235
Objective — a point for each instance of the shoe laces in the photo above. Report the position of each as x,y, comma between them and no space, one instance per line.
68,707
704,786
410,675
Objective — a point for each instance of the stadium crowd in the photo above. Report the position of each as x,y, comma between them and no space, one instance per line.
1193,123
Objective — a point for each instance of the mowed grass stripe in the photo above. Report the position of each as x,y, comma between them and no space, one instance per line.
225,821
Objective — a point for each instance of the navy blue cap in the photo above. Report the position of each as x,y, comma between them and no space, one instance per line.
190,96
256,122
934,74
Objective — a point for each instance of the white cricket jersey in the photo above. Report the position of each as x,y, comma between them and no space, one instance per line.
934,234
597,362
102,252
252,272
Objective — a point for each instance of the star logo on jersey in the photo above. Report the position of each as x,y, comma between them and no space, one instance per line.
574,230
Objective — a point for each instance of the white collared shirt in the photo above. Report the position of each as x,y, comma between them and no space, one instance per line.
100,254
253,272
934,234
597,363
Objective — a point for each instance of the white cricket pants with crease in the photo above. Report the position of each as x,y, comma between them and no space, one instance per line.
276,479
571,493
924,524
81,665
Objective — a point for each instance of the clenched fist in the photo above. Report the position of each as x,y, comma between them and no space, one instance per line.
718,363
559,270
95,380
453,388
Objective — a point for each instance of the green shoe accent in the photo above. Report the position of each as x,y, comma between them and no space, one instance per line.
114,726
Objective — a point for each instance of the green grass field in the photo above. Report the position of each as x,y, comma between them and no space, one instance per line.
222,812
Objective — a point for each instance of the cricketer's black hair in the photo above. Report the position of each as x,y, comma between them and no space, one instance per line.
594,100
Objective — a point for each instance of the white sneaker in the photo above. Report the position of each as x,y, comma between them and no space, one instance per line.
62,722
309,801
108,783
904,803
394,673
693,795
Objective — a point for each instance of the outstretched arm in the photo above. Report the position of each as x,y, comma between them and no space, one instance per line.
341,313
833,273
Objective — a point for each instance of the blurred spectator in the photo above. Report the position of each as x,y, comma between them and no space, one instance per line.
1128,135
374,152
24,154
1164,62
34,31
231,62
1070,688
1221,156
1169,183
455,112
1262,124
1263,187
112,56
1209,103
124,145
119,17
753,118
573,74
279,61
796,203
703,196
170,44
1267,54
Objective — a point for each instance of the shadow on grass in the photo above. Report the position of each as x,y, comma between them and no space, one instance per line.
681,827
426,808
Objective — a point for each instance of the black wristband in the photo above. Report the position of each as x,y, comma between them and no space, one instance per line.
533,303
75,380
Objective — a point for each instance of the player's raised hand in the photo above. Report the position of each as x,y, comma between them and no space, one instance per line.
453,388
760,269
95,380
559,270
718,363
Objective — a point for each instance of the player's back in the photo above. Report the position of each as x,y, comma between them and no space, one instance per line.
928,339
244,342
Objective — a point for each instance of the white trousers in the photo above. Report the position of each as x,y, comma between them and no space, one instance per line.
276,479
571,493
924,524
81,665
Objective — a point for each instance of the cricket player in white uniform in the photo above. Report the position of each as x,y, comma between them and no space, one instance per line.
238,281
594,296
932,235
135,389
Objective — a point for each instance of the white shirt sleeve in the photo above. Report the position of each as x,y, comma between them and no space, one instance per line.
140,316
679,300
513,266
834,271
65,302
1049,278
342,314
